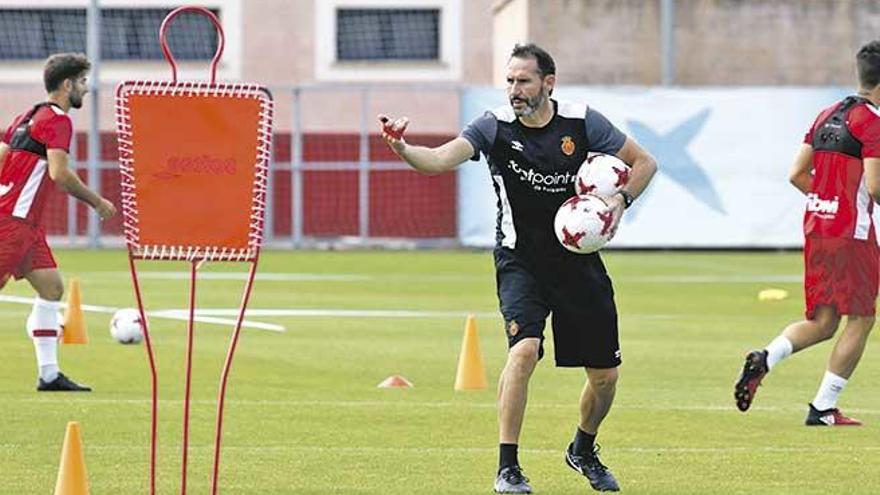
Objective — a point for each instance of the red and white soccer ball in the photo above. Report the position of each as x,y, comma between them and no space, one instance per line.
582,225
601,174
126,326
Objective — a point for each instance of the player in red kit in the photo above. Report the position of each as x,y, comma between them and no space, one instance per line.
33,154
838,168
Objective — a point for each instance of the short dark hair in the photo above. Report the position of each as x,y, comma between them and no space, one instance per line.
868,65
546,65
61,66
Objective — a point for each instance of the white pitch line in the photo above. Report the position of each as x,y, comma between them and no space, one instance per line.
174,315
711,279
336,313
336,449
275,277
422,404
445,277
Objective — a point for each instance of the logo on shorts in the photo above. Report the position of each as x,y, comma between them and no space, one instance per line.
5,188
513,328
567,145
617,354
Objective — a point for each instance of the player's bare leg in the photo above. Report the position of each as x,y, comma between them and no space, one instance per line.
822,327
844,358
45,330
597,397
582,455
512,396
47,283
850,346
795,337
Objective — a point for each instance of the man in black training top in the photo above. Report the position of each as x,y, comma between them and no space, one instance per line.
534,148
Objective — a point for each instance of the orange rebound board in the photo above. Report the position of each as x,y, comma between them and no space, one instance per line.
194,159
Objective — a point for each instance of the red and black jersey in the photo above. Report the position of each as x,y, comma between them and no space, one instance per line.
24,178
838,204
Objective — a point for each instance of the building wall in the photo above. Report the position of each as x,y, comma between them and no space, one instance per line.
277,49
784,42
599,41
604,42
717,42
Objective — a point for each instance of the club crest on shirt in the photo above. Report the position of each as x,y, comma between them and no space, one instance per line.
567,145
513,328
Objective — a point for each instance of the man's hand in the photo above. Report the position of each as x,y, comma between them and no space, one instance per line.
616,206
105,209
392,132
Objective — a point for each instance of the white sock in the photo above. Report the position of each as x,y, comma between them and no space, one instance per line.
831,386
777,350
44,328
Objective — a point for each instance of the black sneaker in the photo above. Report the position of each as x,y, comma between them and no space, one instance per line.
754,370
829,417
512,480
61,384
588,464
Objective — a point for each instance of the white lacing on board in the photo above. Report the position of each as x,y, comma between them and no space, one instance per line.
126,168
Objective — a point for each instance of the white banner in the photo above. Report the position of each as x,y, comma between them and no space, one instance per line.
724,156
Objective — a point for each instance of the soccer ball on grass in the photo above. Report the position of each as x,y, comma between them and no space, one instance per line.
126,326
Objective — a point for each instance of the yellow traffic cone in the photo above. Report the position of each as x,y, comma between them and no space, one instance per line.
471,373
74,322
72,476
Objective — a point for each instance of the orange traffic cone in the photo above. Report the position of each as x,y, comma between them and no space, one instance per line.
471,373
395,381
72,476
74,322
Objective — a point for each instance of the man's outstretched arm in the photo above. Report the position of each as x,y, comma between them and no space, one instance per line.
429,161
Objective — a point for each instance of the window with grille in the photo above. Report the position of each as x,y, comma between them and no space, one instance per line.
126,34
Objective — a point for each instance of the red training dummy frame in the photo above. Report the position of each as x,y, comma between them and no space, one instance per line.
194,160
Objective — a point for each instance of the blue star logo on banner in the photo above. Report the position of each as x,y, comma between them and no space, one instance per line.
670,149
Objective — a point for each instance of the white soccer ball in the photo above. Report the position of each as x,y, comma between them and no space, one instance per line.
601,174
126,326
582,225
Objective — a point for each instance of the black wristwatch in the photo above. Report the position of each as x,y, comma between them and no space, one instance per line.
627,198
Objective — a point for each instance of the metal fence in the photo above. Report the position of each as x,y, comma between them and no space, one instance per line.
333,181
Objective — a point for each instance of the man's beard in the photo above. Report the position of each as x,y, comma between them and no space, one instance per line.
76,100
531,105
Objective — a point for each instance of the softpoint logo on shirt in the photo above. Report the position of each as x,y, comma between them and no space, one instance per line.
553,183
5,188
826,208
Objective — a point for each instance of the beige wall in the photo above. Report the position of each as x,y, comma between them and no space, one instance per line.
599,41
279,46
277,50
279,36
717,42
790,42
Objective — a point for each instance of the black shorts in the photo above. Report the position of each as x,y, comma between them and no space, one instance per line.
576,290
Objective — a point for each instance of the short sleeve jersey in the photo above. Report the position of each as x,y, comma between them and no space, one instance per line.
534,169
24,179
838,204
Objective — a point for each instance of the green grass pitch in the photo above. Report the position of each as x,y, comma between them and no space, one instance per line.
304,415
